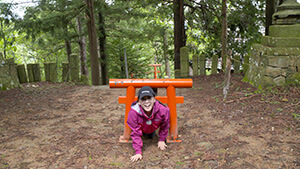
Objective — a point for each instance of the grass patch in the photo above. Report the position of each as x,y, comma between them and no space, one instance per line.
116,164
92,120
296,116
179,162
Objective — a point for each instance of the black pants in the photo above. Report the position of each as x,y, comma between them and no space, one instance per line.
149,136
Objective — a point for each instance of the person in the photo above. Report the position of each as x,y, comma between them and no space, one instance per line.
145,116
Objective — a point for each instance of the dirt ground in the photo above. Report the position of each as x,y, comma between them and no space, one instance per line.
46,125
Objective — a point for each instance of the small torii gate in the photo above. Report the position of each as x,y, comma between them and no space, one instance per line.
171,99
155,69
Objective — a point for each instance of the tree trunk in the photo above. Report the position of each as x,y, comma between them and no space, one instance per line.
67,41
179,31
280,2
167,63
4,40
122,60
156,54
82,49
102,41
270,9
92,33
227,75
68,48
224,33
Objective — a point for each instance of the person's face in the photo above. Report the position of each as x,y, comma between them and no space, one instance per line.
147,103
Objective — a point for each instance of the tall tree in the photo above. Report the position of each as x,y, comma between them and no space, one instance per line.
92,33
166,56
270,9
179,31
55,17
224,32
82,47
102,43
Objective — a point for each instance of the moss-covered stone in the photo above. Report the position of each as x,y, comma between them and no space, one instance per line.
184,62
47,72
50,72
65,72
53,72
277,60
284,30
292,61
273,72
259,48
22,74
246,63
265,40
30,73
279,81
291,70
8,74
214,65
84,80
202,65
282,51
236,64
195,65
74,68
293,78
268,81
36,72
282,62
283,41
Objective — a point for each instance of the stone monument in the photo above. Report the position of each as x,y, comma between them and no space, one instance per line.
276,61
8,74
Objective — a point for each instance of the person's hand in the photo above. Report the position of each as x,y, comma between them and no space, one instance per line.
162,145
136,157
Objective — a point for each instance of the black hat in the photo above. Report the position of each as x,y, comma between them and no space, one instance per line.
146,91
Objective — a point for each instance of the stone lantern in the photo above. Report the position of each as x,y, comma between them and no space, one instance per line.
276,61
288,13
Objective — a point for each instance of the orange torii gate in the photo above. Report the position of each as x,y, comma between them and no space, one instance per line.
171,99
155,69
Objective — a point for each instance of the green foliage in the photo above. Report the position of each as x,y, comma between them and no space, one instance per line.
137,26
296,116
140,32
116,164
179,162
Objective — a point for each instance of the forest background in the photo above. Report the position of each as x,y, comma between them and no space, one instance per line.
102,32
62,125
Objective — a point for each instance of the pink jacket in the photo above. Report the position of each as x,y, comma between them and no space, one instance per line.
140,123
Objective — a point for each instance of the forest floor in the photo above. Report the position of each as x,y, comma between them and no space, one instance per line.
46,125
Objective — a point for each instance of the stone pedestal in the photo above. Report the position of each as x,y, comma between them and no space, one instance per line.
8,74
50,72
195,65
184,62
74,68
202,64
276,61
272,64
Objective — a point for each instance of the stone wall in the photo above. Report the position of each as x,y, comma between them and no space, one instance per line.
276,61
8,74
